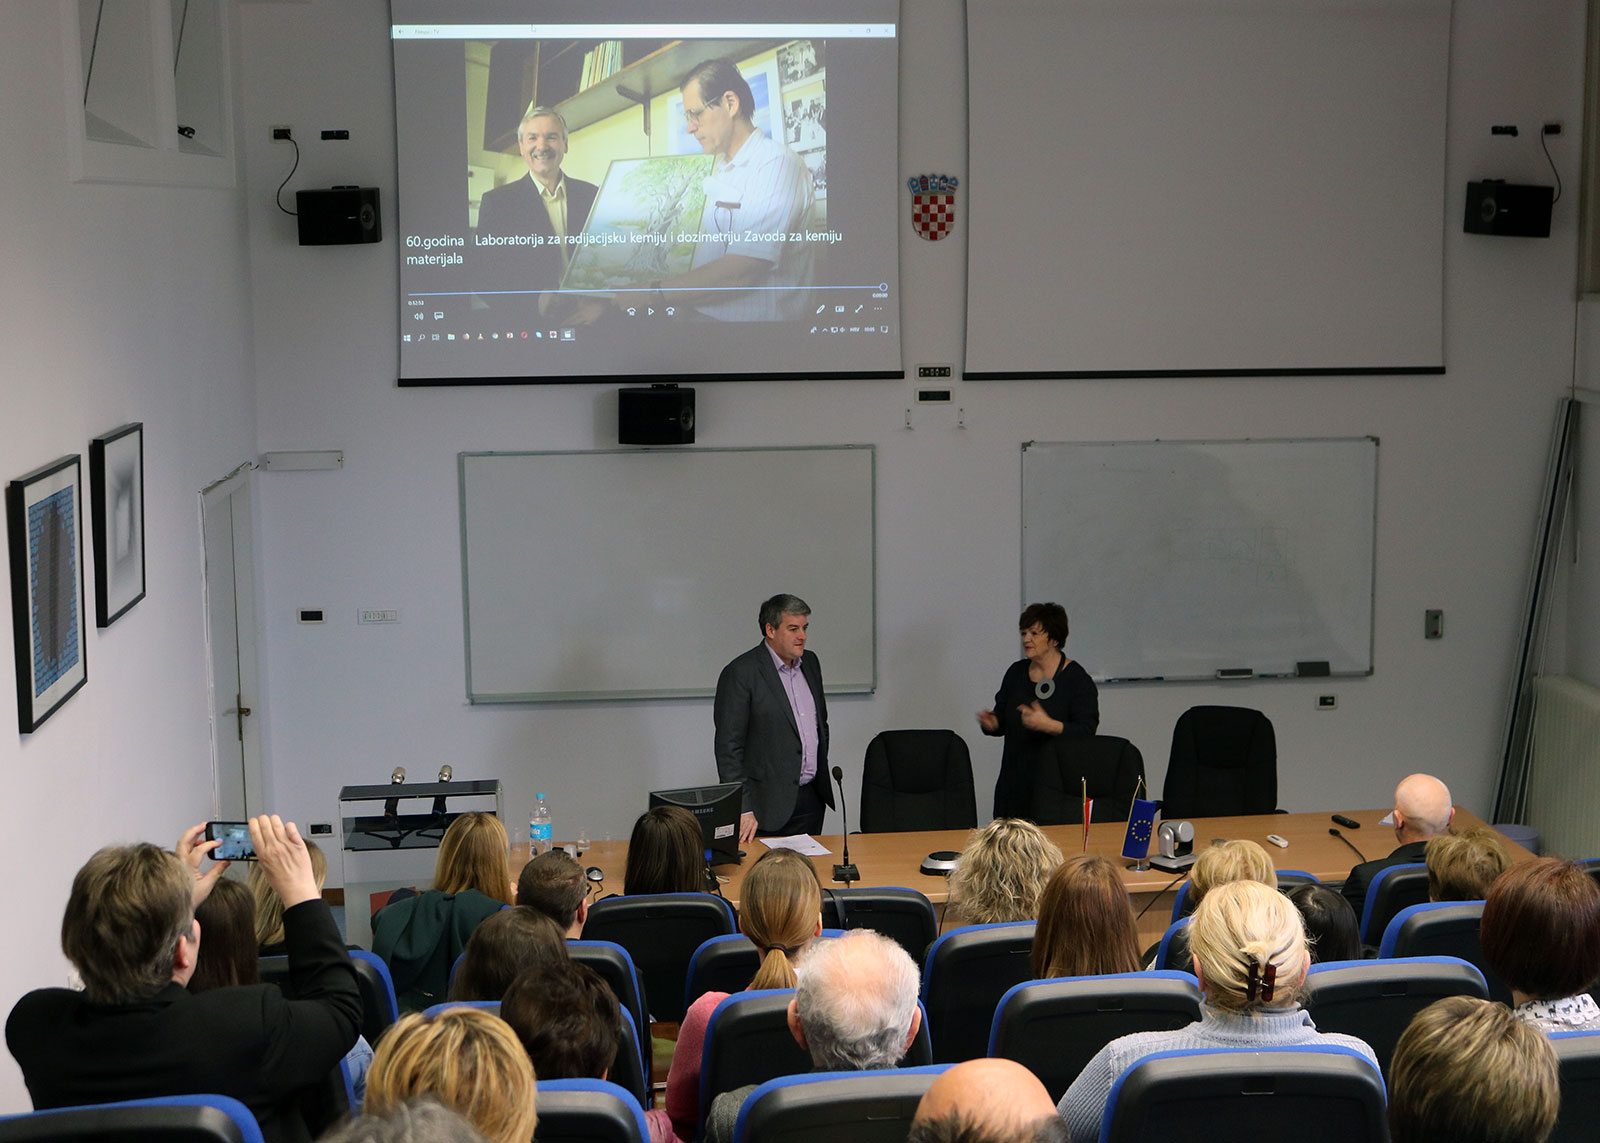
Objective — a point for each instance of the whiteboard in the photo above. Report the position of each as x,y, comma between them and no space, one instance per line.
638,573
1176,187
1183,559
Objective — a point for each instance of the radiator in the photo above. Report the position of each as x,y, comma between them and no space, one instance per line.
1564,774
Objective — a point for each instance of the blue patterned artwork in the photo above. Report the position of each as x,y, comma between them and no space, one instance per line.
53,570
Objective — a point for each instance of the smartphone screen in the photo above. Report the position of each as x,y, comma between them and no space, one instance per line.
235,837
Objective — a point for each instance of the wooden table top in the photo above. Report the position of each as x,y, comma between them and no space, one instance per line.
895,858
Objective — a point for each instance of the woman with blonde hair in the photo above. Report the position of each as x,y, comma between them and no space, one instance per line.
421,936
1219,864
1251,959
780,910
467,1060
1086,923
1001,872
269,906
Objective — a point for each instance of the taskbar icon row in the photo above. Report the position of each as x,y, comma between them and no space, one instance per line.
565,334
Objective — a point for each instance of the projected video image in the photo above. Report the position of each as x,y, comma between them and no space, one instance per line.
622,193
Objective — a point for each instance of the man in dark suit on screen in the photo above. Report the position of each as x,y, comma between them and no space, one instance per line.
545,204
772,727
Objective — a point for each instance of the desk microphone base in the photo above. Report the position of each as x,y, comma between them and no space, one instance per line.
846,873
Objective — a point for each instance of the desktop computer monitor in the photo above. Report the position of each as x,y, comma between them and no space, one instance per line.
717,809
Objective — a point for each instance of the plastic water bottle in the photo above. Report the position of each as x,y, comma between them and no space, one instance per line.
539,829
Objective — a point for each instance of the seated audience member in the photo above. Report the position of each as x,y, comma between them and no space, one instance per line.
855,1009
269,907
1086,923
420,937
666,853
571,1025
1467,1071
1462,866
1001,873
413,1121
135,1031
987,1101
227,956
554,884
502,946
1540,935
1220,864
780,910
1422,809
1331,926
1250,956
468,1060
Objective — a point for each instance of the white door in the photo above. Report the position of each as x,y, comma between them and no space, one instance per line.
231,634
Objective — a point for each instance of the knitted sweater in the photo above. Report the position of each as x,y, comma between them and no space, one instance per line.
1085,1102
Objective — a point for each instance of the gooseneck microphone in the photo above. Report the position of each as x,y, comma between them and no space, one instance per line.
1334,831
844,871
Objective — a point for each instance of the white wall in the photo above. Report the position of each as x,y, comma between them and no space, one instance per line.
1459,472
119,303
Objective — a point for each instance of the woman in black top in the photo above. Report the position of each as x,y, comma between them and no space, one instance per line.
1043,695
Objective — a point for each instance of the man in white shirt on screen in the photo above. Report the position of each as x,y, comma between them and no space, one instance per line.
758,197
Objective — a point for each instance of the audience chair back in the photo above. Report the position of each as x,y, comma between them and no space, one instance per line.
1578,1056
1112,767
1376,999
1164,950
1224,762
588,1111
165,1119
379,1008
841,1107
1054,1027
661,933
903,915
1395,888
617,969
917,780
726,964
1441,928
1319,1093
965,974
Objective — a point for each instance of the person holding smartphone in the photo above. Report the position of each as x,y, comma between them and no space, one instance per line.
135,1031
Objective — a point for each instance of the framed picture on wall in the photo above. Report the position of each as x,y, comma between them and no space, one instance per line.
44,517
116,482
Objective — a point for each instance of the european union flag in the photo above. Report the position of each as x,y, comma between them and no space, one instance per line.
1141,824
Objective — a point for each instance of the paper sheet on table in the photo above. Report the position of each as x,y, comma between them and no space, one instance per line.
799,842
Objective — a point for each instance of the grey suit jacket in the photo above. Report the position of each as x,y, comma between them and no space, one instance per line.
757,742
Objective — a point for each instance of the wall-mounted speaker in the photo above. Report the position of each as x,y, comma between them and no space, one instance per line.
1513,210
338,216
655,415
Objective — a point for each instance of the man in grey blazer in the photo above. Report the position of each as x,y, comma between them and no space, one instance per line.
772,727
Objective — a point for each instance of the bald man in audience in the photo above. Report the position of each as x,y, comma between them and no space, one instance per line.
854,1009
987,1101
554,884
1422,810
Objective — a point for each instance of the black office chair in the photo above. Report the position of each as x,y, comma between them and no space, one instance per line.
1393,889
903,915
1376,999
661,932
965,974
1441,928
164,1119
1578,1056
917,780
1112,767
1055,1027
379,1008
841,1107
1224,762
617,969
1322,1093
588,1111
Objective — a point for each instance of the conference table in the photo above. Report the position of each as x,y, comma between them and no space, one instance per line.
895,858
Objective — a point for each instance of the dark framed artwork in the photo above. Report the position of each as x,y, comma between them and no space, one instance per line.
116,483
44,515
